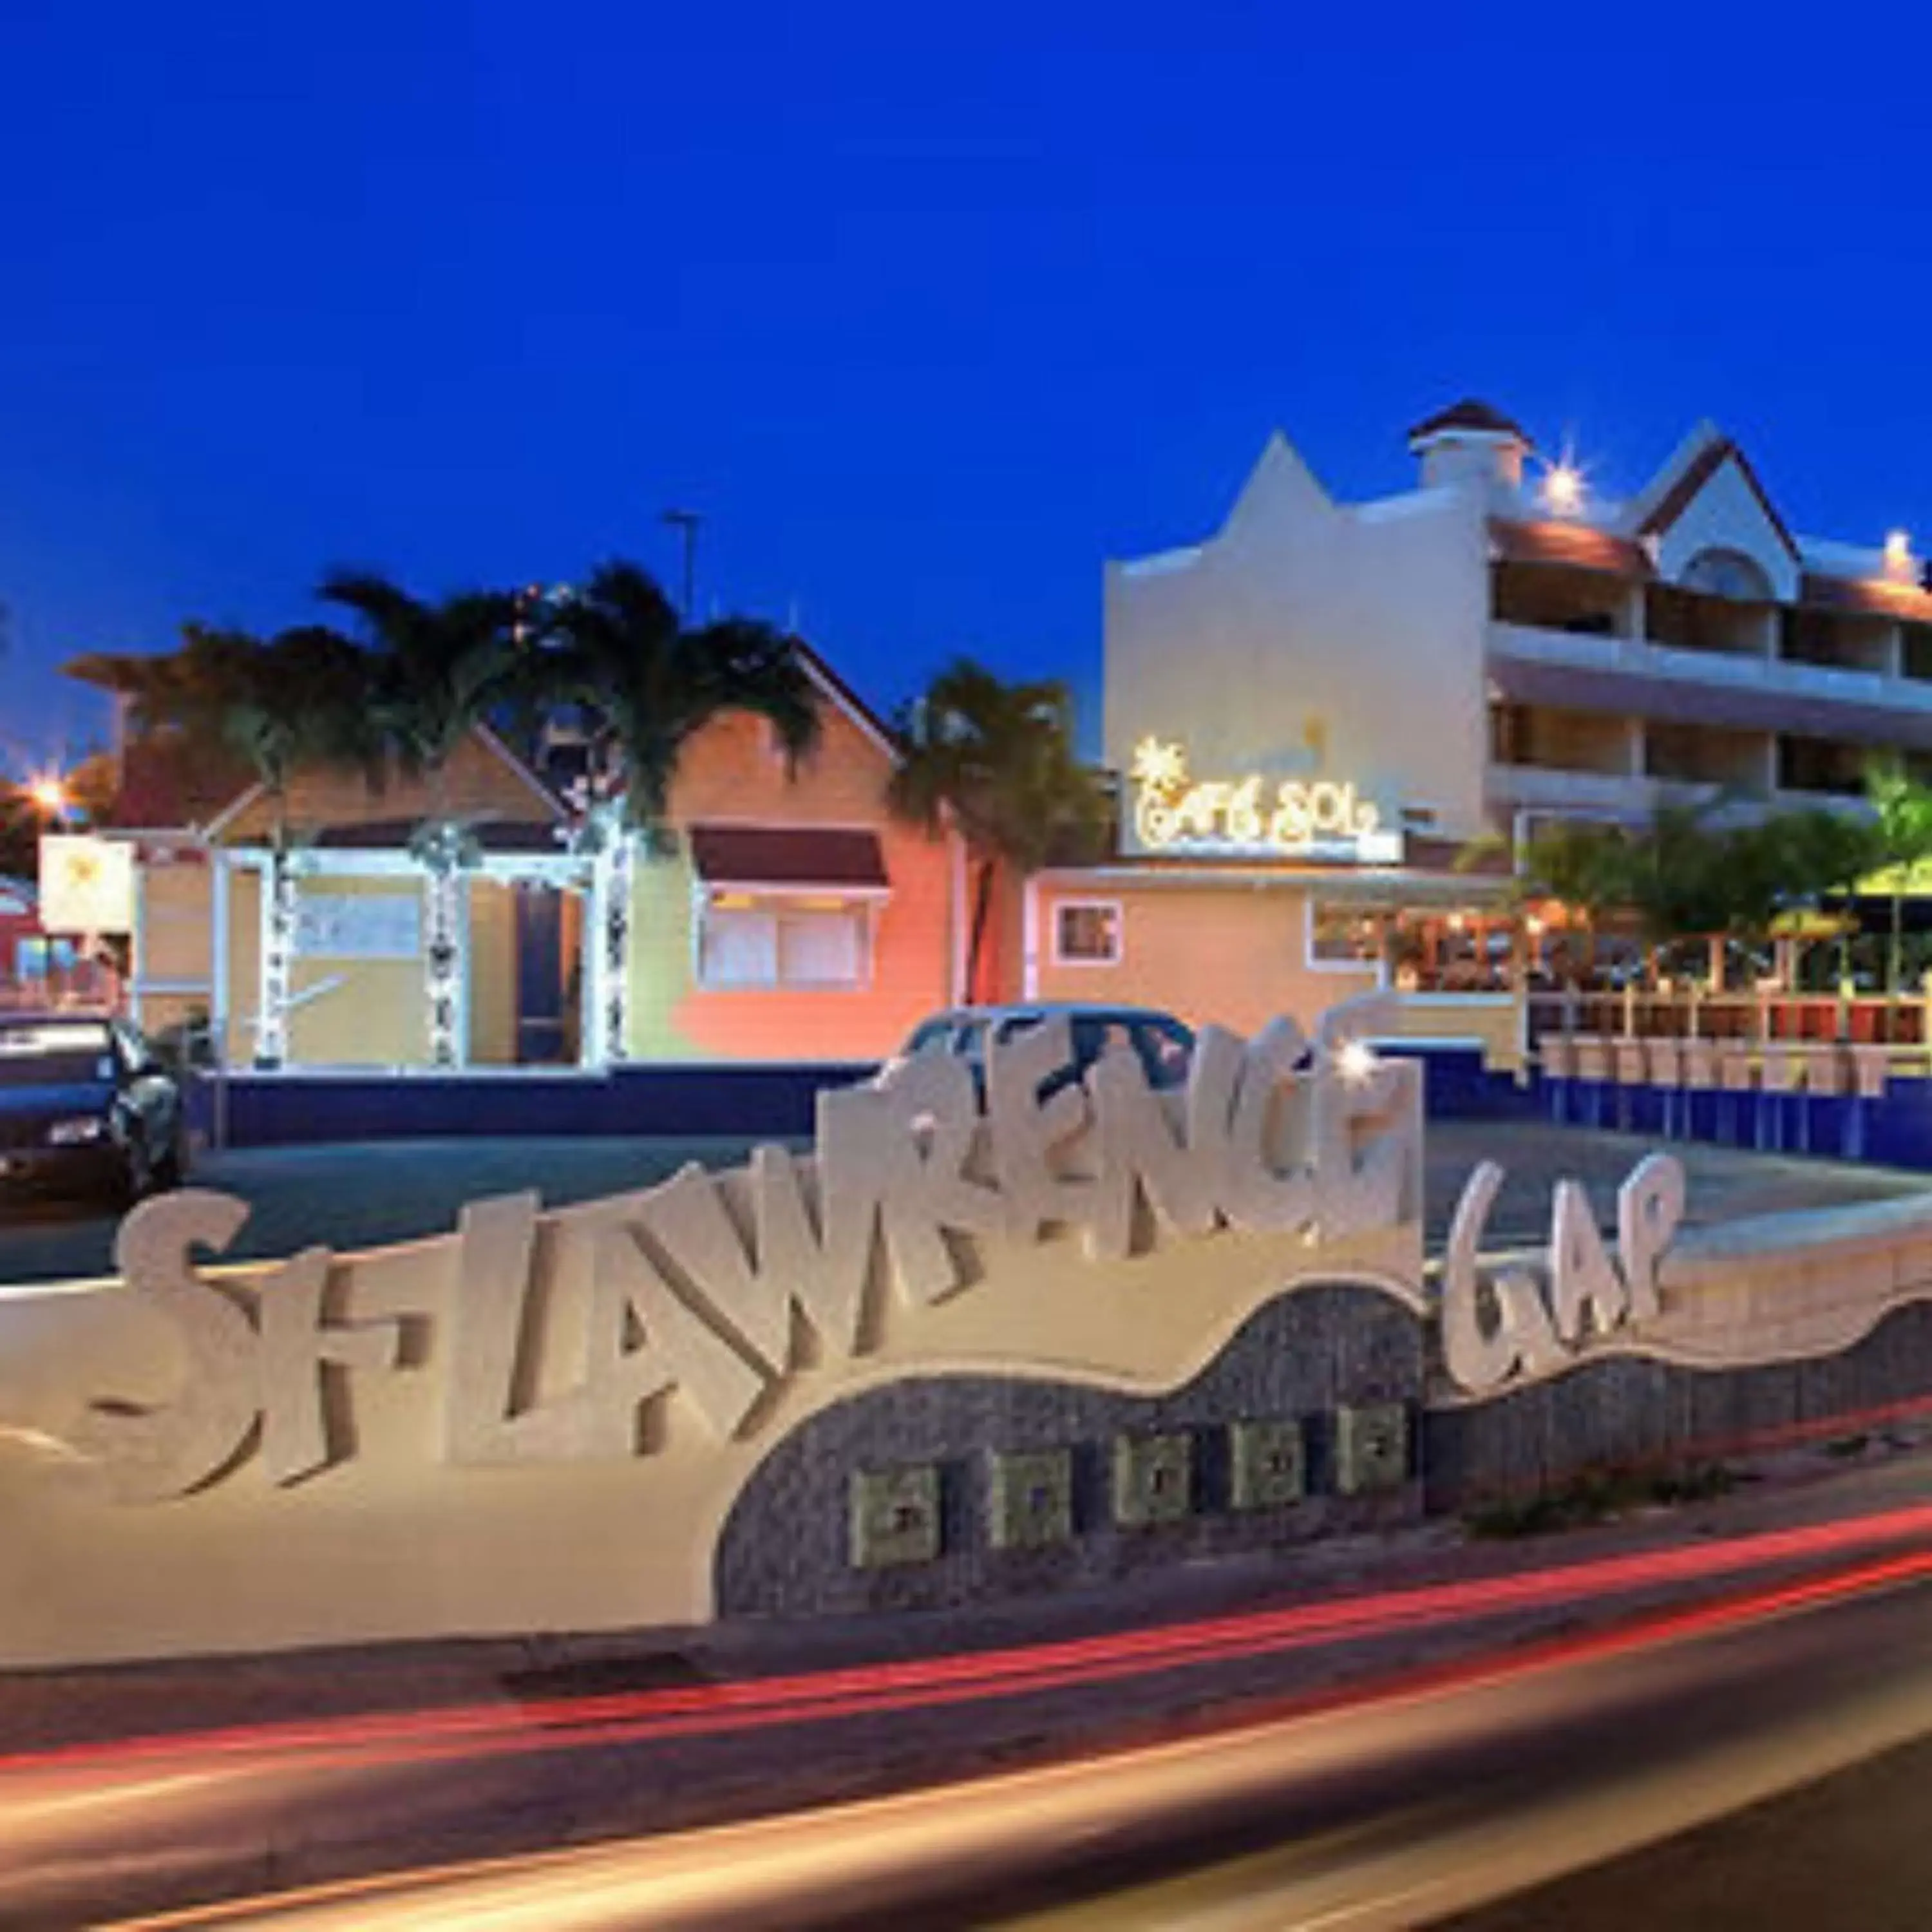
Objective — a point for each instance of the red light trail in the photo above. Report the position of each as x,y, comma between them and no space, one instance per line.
935,1681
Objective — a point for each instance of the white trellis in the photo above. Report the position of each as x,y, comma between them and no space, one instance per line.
608,945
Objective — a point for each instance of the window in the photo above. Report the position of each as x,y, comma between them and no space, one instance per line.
1727,573
1343,935
1087,932
776,944
739,949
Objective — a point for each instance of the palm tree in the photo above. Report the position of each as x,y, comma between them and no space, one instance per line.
300,698
998,758
615,651
1902,809
1583,865
1680,882
439,669
1792,859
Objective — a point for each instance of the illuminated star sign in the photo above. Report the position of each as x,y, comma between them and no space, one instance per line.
1160,765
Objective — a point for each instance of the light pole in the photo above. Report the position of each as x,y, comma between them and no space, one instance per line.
685,522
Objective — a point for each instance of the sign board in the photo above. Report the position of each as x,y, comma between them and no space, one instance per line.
1251,816
87,883
345,925
462,1434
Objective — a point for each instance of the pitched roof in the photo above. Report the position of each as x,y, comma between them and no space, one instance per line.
842,694
1471,413
1877,597
1710,458
165,784
1576,544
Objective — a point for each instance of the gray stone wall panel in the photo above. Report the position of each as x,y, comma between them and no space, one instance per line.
784,1548
1636,1410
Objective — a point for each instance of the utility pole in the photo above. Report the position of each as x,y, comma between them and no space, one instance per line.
685,522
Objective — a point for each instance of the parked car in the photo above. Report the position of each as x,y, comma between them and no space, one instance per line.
86,1108
1164,1044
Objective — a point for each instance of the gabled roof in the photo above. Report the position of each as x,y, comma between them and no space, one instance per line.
163,787
1712,452
215,826
1471,413
849,701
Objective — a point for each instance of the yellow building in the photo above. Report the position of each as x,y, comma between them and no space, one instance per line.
789,917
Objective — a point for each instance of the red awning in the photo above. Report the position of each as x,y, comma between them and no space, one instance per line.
789,858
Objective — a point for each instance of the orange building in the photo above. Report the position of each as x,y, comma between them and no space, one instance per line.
788,917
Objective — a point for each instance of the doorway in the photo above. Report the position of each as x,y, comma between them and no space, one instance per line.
545,970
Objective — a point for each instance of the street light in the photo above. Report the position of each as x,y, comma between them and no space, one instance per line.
49,795
685,522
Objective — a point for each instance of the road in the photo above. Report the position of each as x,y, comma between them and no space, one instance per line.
1428,1794
363,1195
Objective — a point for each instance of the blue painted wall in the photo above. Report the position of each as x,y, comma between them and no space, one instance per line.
291,1109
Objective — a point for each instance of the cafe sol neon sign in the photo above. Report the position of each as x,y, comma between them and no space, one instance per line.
1174,811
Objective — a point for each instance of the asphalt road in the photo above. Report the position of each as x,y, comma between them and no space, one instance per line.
1431,1790
1852,1847
349,1196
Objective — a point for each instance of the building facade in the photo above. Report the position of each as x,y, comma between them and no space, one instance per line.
783,915
1323,710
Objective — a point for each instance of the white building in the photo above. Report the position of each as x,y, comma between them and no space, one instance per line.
1334,699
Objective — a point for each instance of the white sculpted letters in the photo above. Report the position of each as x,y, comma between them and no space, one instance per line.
175,1446
1587,1290
235,1371
693,1299
1481,1355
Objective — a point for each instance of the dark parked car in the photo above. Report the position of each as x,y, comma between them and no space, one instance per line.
1164,1044
86,1108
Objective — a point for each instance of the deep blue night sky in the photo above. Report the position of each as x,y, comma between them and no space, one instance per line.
928,310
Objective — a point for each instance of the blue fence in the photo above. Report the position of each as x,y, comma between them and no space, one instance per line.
1893,1130
292,1109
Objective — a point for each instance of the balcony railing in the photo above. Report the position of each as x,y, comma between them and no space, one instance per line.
1643,657
1863,1020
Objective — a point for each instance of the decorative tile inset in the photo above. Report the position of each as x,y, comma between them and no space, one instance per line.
895,1515
1030,1498
1371,1447
1267,1466
1153,1479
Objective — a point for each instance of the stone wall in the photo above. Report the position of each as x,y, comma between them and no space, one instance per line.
1636,1409
934,1491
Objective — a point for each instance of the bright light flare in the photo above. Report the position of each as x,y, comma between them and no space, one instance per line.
1563,489
1899,561
49,795
1355,1059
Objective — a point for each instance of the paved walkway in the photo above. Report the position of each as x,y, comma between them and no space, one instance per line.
364,1194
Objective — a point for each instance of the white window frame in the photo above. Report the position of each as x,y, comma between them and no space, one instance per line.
1082,961
774,906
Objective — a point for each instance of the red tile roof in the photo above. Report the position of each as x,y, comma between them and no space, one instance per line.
165,786
1877,597
1573,544
805,857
